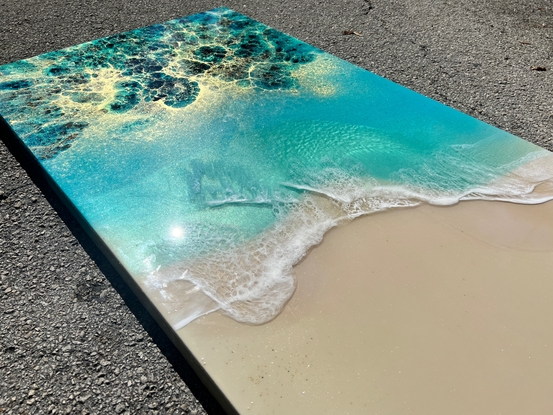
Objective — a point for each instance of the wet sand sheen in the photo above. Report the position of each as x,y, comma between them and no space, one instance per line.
425,310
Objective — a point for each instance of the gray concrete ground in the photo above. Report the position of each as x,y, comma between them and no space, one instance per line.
73,338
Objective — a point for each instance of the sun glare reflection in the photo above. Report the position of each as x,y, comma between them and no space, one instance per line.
177,232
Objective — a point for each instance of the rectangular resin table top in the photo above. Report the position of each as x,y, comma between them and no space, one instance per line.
209,154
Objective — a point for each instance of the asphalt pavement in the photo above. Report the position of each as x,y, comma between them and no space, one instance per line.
73,338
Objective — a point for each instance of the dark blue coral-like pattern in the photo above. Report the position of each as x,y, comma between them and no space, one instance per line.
158,63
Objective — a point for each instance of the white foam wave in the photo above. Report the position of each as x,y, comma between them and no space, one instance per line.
261,200
251,283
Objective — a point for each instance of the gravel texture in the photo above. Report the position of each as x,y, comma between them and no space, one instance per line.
73,338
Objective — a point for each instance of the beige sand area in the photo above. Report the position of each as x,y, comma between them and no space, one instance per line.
426,310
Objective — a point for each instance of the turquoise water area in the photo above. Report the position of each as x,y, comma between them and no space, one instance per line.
216,150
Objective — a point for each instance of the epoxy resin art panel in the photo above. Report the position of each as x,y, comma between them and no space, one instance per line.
211,152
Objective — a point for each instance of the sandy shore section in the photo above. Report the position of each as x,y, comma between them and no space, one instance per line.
426,310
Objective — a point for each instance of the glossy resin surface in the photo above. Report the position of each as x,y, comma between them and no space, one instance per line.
211,152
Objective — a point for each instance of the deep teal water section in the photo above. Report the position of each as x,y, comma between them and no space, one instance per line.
220,43
122,126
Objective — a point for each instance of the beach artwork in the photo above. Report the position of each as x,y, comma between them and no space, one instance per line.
211,155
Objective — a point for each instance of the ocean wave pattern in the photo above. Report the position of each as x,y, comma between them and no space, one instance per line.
252,281
211,153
